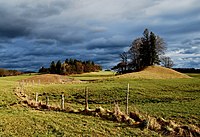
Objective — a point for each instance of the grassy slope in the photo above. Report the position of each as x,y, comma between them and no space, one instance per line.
172,99
155,72
19,120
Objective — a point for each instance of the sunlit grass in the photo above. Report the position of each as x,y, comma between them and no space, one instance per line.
195,75
167,98
177,99
94,75
18,120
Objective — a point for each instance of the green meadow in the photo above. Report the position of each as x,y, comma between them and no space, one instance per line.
173,99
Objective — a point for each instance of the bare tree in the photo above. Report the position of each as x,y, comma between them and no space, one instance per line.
135,53
124,57
160,45
166,62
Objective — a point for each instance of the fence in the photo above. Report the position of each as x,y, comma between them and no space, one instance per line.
82,98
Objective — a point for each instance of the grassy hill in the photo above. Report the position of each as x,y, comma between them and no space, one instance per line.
155,72
177,99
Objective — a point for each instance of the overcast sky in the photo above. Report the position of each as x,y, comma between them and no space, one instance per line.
33,33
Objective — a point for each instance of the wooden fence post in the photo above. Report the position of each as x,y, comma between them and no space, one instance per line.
86,98
36,97
62,102
127,95
23,83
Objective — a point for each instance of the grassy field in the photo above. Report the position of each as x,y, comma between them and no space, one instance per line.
93,75
177,99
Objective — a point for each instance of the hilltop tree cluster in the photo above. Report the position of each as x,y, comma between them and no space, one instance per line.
144,51
71,66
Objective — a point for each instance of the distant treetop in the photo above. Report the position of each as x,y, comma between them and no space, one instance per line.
71,66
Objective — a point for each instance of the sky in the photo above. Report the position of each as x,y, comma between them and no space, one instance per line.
34,33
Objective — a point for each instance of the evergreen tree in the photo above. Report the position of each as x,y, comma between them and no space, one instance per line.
145,51
67,61
58,67
154,59
53,68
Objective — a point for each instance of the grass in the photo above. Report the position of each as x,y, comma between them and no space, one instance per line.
93,75
19,120
170,98
195,75
27,122
177,99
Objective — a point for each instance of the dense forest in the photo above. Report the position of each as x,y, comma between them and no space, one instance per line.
5,72
71,66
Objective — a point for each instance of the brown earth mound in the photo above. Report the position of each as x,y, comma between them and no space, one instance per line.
155,72
50,78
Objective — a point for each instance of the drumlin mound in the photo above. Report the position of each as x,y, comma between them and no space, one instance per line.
155,72
51,78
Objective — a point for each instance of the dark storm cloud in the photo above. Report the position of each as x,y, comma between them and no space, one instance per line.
110,43
13,26
33,33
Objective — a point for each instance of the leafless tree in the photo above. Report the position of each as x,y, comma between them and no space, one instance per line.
166,62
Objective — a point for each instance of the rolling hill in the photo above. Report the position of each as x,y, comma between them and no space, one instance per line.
155,72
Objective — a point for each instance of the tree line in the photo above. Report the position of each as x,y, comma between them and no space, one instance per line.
5,72
144,51
187,70
71,66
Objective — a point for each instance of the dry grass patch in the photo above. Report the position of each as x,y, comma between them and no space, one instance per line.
51,78
155,72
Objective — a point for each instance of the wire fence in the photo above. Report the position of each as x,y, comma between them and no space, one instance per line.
84,97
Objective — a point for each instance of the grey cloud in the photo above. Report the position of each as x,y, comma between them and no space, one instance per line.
191,46
98,29
112,43
191,61
5,40
44,41
41,10
183,28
